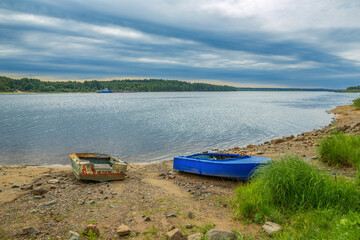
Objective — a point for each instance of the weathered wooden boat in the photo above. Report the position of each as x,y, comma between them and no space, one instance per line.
97,167
220,165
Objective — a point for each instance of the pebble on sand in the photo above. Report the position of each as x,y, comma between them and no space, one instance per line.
73,236
123,230
171,215
176,234
217,234
270,228
53,181
30,231
195,236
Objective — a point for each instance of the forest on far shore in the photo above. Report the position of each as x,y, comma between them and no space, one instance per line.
149,85
353,89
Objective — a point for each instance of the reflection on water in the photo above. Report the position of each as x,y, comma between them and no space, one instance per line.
142,127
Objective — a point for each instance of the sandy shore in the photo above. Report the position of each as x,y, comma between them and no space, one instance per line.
150,190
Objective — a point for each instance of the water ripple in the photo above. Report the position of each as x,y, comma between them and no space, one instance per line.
142,127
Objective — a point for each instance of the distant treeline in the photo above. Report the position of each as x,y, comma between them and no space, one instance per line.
353,89
286,89
150,85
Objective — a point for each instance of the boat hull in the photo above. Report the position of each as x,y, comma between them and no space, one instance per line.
236,167
100,176
97,167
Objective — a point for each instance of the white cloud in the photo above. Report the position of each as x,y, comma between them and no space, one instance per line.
305,21
243,83
352,54
308,24
289,15
230,15
8,50
76,27
40,45
224,59
95,42
15,18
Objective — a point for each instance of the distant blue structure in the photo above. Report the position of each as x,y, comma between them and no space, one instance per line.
105,90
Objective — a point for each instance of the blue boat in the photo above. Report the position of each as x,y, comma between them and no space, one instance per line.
220,164
105,90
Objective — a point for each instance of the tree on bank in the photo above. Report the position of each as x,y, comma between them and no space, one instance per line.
149,85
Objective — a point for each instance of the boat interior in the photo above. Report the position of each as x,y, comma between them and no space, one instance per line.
99,163
213,157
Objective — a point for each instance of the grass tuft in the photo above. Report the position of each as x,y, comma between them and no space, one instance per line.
289,185
340,150
206,227
309,203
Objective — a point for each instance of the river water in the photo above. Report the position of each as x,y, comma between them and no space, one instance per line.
144,127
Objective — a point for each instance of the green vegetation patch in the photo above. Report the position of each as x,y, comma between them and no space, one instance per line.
353,89
206,227
291,192
356,103
322,224
148,85
340,150
152,231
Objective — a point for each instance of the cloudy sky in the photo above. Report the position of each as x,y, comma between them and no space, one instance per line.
308,43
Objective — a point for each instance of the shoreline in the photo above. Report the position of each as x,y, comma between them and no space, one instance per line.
220,150
151,190
15,93
339,120
345,119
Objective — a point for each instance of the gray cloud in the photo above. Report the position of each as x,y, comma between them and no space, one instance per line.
278,42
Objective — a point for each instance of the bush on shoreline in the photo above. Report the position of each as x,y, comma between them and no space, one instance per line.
356,103
289,188
340,150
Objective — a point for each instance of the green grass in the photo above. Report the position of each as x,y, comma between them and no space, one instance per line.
291,192
151,231
93,221
356,103
206,227
322,224
92,236
340,150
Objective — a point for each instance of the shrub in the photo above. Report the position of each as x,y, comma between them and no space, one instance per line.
289,185
356,103
340,150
